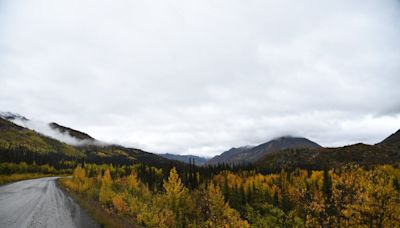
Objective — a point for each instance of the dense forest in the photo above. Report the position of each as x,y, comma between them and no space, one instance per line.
350,196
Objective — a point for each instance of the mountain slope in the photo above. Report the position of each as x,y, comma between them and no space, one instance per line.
12,116
278,144
17,138
185,158
252,154
56,131
229,156
393,139
387,152
21,144
71,132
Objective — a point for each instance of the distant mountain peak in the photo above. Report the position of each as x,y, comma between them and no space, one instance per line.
12,116
185,158
252,154
285,137
240,148
244,147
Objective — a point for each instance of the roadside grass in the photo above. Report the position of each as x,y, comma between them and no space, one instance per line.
5,179
104,217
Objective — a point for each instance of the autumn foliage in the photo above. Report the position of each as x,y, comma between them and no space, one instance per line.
351,196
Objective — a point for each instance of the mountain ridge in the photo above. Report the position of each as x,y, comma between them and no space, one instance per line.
334,157
18,144
72,132
17,141
185,158
393,139
252,154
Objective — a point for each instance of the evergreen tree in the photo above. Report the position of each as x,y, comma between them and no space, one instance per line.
327,186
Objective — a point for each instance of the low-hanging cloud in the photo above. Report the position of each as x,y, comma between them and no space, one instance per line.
200,77
45,129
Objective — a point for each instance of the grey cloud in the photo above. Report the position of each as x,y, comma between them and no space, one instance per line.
201,77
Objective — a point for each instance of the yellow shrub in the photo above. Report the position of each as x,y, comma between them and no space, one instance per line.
119,204
79,174
80,181
135,205
106,194
132,182
153,216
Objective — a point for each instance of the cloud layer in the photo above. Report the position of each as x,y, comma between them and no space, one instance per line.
45,129
200,77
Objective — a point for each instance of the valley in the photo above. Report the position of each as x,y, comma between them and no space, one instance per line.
287,181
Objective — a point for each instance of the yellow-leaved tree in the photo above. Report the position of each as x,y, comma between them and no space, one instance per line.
137,195
132,183
376,203
171,209
120,204
177,198
155,215
80,182
220,213
106,193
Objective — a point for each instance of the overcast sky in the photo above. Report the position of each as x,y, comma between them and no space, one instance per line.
200,77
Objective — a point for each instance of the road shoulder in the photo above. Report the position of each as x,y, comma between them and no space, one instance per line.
101,215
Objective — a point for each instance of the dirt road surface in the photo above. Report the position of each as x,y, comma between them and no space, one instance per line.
40,203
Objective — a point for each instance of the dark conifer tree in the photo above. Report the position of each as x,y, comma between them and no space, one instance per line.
275,200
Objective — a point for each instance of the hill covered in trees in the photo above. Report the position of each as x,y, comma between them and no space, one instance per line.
386,152
19,144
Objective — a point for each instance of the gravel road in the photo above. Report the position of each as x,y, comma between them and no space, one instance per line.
40,203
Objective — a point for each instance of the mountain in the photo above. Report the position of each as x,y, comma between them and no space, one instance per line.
12,116
185,158
16,140
56,131
386,152
252,154
120,155
230,155
360,154
393,139
18,144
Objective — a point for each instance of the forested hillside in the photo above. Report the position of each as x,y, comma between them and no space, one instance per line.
18,144
362,154
72,132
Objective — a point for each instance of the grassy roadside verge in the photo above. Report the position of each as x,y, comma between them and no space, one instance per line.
5,179
103,216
